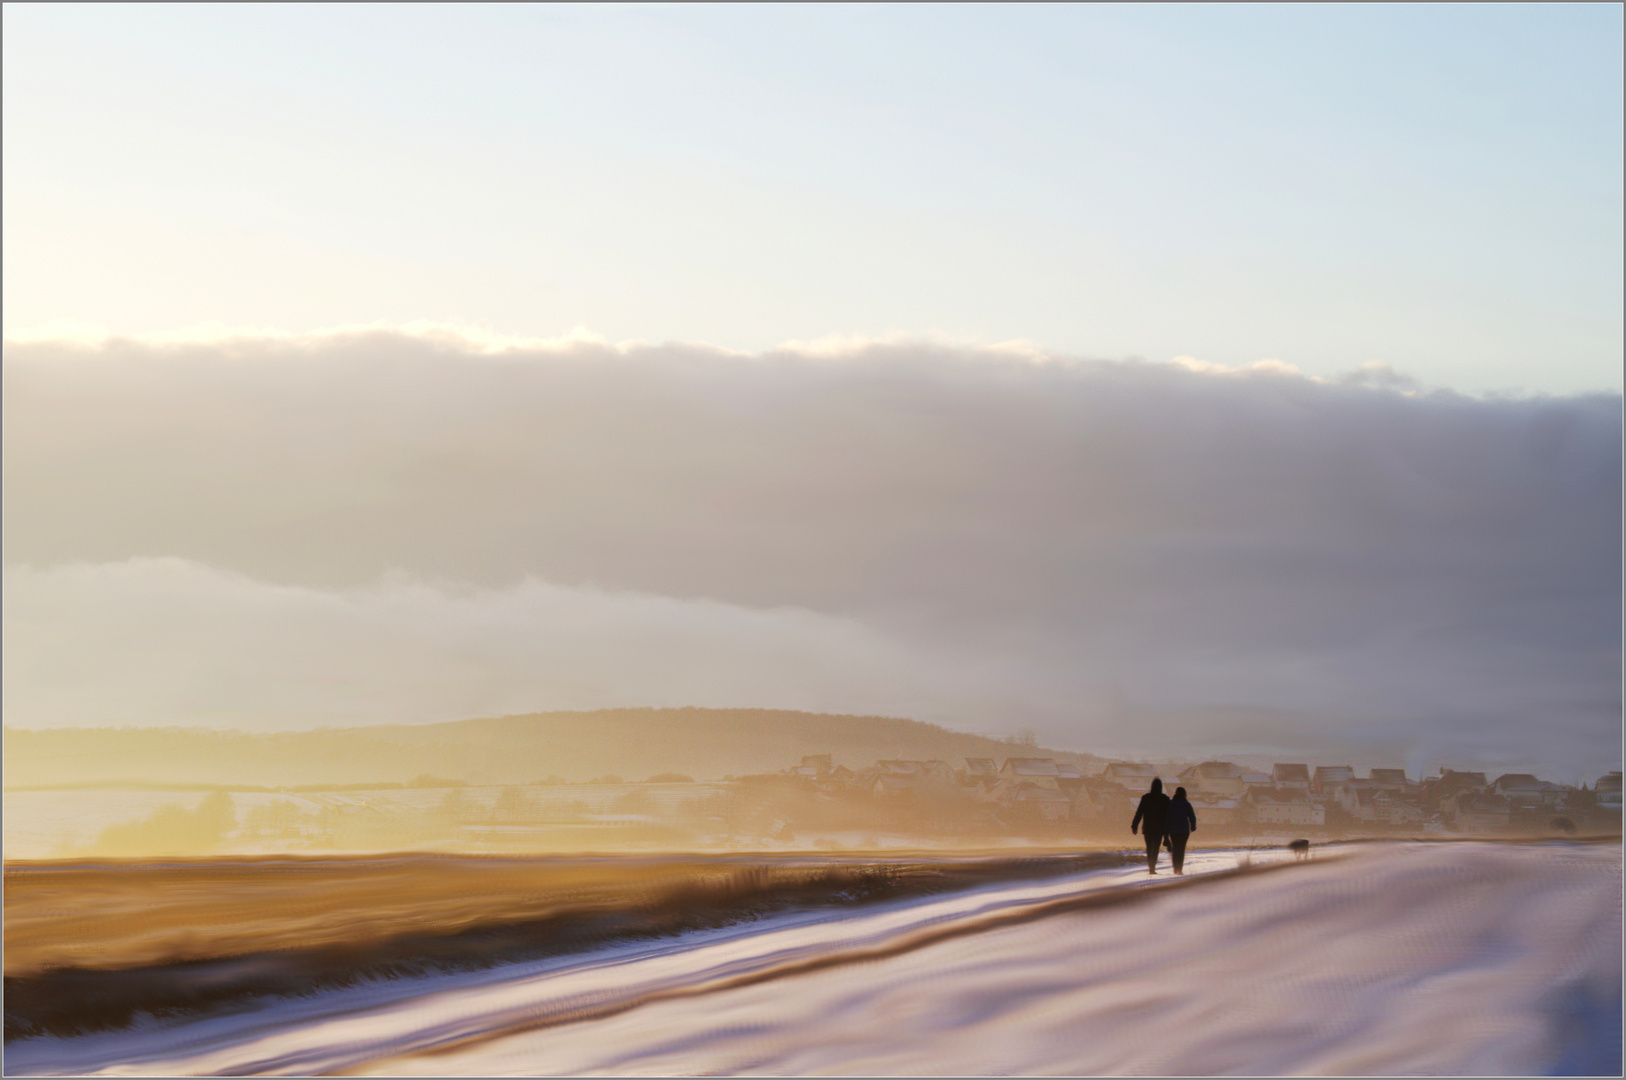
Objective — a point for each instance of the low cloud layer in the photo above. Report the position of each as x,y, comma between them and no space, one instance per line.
236,652
376,526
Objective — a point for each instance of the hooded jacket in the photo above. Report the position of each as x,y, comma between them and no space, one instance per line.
1153,810
1181,819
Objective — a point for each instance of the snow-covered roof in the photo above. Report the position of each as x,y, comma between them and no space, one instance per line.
1127,768
1031,766
1219,770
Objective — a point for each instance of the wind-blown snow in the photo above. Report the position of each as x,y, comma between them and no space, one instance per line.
1392,959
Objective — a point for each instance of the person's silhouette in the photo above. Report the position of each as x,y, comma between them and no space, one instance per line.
1178,826
1150,816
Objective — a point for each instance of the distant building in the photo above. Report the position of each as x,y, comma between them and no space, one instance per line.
978,767
1330,776
1479,813
896,776
1521,790
1452,781
1040,772
1069,778
1558,798
1102,802
980,775
1390,779
893,777
1291,776
1048,804
1251,779
1131,776
1215,810
1032,788
1377,806
1281,806
819,763
1219,778
1607,792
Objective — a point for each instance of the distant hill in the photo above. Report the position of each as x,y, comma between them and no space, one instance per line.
577,746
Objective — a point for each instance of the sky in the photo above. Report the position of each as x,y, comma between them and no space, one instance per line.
1437,188
1234,380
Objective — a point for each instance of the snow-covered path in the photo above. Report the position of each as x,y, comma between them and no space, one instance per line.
1404,958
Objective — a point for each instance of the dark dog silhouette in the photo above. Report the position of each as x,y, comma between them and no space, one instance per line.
1300,849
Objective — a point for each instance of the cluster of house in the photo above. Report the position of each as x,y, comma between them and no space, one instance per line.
1226,794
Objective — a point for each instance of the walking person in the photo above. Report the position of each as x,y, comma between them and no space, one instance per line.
1178,826
1150,816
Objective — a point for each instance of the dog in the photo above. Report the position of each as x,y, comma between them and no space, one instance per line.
1300,849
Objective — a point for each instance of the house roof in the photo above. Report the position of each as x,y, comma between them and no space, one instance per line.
1069,772
1389,776
1128,768
1218,770
1250,777
1517,782
1326,773
1031,766
1289,773
895,781
979,766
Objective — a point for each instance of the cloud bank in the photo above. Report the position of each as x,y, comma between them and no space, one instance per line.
379,525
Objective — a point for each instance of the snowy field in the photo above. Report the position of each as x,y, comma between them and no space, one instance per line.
1448,958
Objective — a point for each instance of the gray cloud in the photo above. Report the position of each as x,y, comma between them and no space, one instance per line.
1116,554
168,636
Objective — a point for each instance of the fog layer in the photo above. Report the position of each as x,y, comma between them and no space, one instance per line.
372,526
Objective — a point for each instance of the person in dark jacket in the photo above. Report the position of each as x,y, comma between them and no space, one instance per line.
1178,826
1150,816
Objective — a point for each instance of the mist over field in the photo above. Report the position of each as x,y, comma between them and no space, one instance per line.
280,532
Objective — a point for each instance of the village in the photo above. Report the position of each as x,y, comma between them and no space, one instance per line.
821,804
1227,797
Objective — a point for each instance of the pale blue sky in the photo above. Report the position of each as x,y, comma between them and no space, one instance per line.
1436,188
